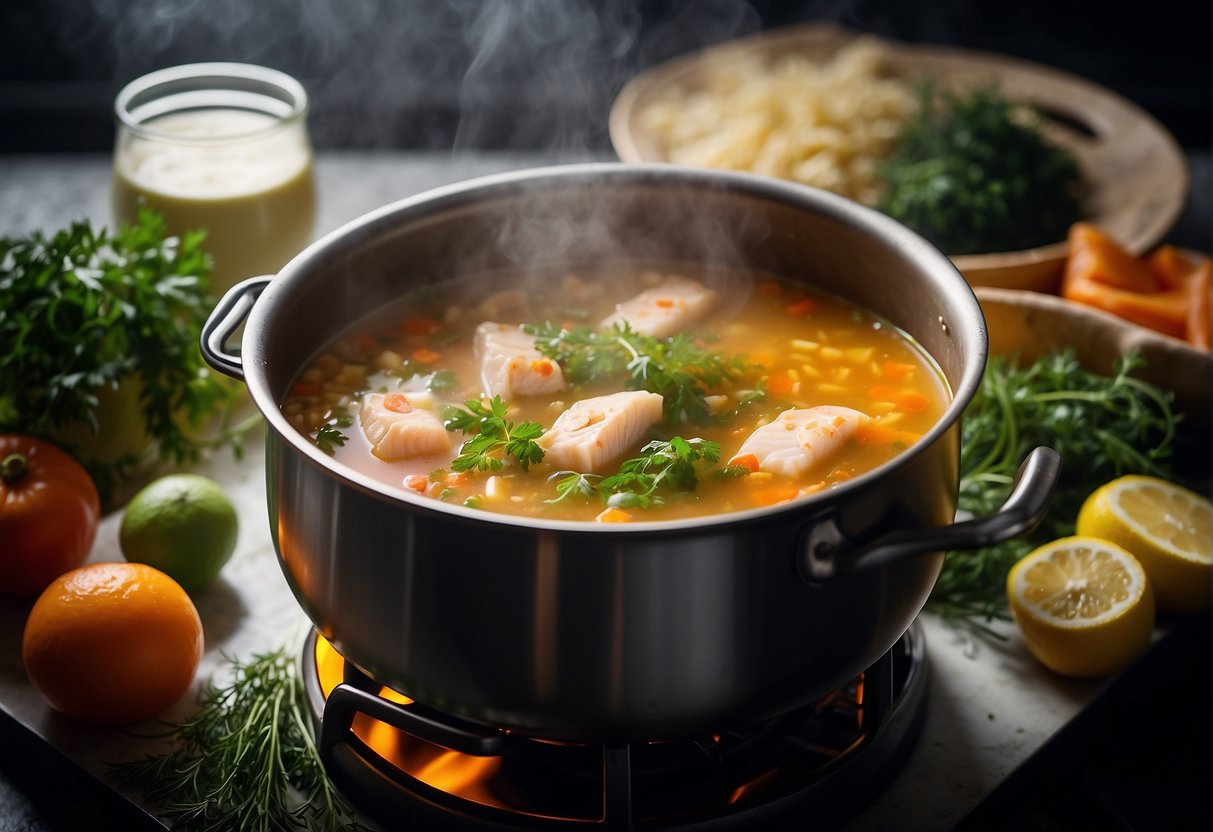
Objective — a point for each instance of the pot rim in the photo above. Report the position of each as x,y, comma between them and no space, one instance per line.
945,274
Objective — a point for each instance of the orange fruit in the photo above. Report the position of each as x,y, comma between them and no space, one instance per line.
112,643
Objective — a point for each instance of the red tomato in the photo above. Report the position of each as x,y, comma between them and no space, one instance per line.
48,514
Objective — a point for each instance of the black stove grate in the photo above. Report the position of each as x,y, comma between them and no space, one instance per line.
405,763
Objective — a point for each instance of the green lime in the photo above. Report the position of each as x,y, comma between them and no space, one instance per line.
182,524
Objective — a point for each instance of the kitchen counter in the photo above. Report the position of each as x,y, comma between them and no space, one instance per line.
991,706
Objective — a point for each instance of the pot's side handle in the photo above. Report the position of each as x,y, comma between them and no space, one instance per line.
829,554
224,320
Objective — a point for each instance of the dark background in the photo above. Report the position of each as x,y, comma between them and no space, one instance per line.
533,74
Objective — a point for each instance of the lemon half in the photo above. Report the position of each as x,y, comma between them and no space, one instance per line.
1166,527
1084,605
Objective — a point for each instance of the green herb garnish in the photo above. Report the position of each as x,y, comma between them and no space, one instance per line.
246,760
1103,427
494,438
973,177
328,438
677,368
661,466
86,314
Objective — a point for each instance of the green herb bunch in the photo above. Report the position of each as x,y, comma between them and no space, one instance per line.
84,311
1103,427
246,760
973,178
677,368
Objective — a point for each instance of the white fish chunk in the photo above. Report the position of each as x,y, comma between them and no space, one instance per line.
595,431
510,365
798,440
397,430
665,309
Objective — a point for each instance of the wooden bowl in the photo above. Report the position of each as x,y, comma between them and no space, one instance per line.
1027,325
1135,175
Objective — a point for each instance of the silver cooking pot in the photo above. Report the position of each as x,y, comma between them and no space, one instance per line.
583,631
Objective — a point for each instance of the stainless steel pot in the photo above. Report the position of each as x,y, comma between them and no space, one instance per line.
643,630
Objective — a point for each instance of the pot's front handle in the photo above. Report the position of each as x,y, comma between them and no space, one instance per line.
224,320
829,554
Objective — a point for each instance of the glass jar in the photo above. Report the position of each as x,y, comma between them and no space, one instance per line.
221,147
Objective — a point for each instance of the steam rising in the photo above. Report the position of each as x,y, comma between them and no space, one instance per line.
454,75
459,74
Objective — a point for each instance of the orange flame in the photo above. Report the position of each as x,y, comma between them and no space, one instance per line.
462,775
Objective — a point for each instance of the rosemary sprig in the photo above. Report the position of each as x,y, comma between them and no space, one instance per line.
246,760
1103,427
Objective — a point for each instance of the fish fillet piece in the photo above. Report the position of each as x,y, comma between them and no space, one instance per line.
665,309
510,364
798,440
595,431
397,430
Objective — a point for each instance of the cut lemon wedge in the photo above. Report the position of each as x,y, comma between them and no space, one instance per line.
1083,605
1166,527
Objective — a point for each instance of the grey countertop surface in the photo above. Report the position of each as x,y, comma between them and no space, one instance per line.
990,707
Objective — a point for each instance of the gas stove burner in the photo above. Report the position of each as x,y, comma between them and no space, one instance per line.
402,763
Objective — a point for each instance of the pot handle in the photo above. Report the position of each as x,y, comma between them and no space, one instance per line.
829,554
224,320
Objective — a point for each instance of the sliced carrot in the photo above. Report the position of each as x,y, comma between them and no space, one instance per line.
873,434
880,393
746,461
417,482
425,356
397,403
773,495
613,515
367,343
1198,310
780,384
802,307
456,479
912,401
419,326
1169,266
1097,257
1172,298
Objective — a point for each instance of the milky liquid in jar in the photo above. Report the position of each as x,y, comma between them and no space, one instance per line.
243,172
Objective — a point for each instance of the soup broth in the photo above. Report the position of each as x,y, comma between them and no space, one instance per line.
767,393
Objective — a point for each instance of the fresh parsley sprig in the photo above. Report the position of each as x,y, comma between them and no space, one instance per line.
494,438
677,368
85,311
1103,427
329,436
247,759
662,466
